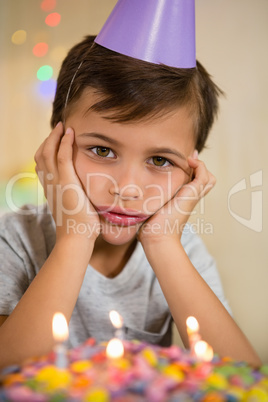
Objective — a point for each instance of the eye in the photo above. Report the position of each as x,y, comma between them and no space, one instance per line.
160,161
103,152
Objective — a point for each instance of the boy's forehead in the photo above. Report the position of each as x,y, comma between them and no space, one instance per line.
87,99
178,121
90,97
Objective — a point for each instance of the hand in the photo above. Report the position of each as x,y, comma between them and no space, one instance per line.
169,221
72,211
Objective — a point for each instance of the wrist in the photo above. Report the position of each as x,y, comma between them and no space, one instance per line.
164,230
163,247
75,229
69,237
79,245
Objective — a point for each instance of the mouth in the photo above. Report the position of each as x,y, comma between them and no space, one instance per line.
121,217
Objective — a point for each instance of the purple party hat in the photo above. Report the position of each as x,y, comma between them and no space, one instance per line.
157,31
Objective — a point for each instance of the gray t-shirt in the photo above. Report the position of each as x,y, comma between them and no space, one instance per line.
26,240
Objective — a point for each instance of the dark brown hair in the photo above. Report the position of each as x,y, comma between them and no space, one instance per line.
132,90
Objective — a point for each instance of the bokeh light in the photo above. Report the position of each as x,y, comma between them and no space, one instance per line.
19,37
40,49
53,19
45,73
48,88
48,5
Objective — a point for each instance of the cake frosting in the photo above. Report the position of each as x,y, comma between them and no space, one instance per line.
144,373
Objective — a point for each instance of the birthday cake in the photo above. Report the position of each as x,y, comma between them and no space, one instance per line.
144,373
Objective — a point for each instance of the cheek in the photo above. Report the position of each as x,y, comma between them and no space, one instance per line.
96,182
85,168
81,167
159,194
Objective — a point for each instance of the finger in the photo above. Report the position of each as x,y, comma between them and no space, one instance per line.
38,153
65,156
203,177
40,166
38,157
200,172
192,192
203,180
49,150
45,166
211,183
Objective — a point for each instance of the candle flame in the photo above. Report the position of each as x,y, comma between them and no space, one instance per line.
203,351
192,324
115,349
60,328
116,319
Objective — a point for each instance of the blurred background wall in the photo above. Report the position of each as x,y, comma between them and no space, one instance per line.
232,44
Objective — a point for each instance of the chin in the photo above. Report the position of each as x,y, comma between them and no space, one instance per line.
118,235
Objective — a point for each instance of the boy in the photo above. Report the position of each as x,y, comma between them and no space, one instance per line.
121,174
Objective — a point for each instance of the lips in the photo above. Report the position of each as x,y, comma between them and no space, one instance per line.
122,217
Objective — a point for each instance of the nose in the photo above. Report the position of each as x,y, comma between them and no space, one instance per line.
126,187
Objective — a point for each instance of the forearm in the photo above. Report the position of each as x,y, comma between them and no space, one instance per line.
28,330
188,294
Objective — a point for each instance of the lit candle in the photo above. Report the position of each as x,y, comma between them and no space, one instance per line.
117,322
60,334
115,349
203,351
193,333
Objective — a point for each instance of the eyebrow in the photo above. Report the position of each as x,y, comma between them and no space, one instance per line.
100,137
168,151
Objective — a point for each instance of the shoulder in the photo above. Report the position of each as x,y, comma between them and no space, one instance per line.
26,216
25,237
27,227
